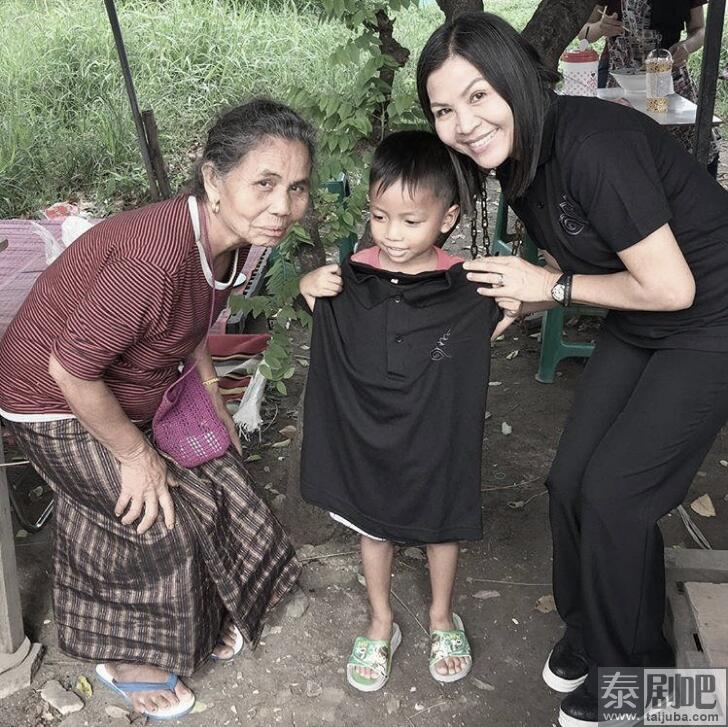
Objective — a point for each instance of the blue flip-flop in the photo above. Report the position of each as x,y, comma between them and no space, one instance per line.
180,709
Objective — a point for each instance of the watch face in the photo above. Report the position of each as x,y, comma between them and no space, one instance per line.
558,292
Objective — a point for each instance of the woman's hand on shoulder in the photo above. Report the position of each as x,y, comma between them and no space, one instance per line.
324,282
512,277
144,490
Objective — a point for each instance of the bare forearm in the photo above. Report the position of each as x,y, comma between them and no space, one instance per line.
695,40
622,291
100,413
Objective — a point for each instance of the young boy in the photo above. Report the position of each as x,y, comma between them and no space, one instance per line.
395,401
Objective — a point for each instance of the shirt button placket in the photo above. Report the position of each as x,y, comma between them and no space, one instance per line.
398,315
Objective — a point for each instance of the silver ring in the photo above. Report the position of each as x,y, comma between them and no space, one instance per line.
501,282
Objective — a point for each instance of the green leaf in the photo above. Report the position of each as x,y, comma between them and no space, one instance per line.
288,373
281,388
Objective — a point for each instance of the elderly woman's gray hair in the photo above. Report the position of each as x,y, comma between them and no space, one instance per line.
240,129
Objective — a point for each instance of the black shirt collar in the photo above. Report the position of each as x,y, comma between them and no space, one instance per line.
373,286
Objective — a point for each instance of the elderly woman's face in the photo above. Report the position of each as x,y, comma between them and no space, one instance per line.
265,193
469,115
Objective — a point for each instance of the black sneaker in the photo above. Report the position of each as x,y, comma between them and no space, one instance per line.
565,669
579,709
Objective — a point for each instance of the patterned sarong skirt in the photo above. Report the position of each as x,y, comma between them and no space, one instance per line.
158,598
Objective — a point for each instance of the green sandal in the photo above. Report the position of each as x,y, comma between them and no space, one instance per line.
444,644
375,655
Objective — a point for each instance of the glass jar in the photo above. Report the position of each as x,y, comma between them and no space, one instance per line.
659,80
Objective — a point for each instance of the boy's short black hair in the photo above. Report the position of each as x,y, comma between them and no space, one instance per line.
416,159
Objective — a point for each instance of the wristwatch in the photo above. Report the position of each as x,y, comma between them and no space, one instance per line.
561,292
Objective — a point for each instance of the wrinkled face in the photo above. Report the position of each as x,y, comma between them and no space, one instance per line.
469,115
263,195
405,226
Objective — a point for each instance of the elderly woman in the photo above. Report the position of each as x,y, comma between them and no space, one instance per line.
637,226
157,566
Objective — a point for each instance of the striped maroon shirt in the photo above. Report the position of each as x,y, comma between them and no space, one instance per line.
126,303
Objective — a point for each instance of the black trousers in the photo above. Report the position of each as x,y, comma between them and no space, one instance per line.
642,422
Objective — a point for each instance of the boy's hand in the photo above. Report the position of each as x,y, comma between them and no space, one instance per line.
324,282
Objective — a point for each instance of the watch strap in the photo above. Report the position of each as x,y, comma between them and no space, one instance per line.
565,281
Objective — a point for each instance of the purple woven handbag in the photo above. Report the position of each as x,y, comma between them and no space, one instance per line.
186,425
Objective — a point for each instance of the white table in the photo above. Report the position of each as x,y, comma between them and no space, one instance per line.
680,111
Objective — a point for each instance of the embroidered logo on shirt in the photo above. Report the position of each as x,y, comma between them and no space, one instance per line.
569,219
439,352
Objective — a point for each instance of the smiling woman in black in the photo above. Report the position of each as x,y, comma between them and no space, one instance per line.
637,226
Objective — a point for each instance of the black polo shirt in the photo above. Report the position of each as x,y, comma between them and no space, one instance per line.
395,403
609,176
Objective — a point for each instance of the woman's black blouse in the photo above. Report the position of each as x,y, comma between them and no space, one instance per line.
395,403
609,176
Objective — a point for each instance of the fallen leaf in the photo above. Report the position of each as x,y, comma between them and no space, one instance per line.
512,355
84,687
506,429
253,458
282,443
495,383
362,580
485,595
480,684
546,604
517,504
21,533
488,415
199,707
414,553
289,432
703,505
724,462
303,362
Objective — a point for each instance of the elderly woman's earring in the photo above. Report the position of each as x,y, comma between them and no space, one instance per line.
216,206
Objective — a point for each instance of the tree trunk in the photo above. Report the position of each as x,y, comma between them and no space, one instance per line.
313,256
553,26
452,8
390,47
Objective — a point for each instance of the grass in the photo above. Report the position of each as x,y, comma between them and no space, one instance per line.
65,126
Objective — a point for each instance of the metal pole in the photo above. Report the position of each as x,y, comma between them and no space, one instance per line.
131,93
708,80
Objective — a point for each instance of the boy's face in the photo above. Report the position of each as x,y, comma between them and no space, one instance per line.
406,226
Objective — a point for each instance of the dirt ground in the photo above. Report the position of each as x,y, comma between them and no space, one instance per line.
296,676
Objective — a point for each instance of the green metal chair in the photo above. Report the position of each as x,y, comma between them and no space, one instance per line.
553,346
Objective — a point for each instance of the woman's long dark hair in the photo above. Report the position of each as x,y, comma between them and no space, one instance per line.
512,67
